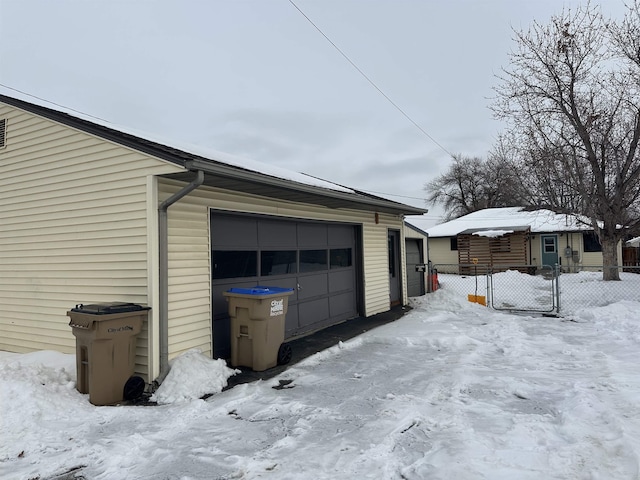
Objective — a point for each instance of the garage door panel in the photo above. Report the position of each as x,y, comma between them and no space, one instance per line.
276,233
312,286
341,306
313,312
340,235
312,234
291,324
234,232
341,280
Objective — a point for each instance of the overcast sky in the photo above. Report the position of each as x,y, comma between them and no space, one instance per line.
255,78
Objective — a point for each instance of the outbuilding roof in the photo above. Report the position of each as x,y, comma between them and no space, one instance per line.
539,221
221,170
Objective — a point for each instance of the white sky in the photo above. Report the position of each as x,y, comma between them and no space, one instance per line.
254,78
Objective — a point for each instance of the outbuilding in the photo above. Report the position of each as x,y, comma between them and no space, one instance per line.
91,212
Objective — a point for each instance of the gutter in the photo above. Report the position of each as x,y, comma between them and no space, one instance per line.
163,312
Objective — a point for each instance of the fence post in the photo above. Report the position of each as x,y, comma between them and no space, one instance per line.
556,275
489,287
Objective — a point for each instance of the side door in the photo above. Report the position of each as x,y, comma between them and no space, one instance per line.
415,280
549,245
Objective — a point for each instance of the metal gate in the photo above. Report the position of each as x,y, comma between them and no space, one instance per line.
536,291
515,288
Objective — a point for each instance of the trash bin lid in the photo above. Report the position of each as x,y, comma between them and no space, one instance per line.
258,290
109,308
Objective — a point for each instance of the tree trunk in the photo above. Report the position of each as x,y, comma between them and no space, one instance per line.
610,269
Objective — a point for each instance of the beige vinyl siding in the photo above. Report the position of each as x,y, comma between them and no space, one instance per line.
189,250
73,229
376,266
440,251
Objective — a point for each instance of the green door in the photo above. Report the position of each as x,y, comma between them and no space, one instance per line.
549,249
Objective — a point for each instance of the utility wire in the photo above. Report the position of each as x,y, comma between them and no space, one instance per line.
53,103
103,120
371,82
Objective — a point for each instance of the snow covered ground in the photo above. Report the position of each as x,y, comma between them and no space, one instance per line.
453,390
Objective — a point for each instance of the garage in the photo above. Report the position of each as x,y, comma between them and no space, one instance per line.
319,260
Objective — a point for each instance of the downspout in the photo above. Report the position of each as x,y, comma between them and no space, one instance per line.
163,311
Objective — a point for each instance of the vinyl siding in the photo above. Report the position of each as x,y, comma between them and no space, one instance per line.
376,266
440,252
189,251
73,229
78,224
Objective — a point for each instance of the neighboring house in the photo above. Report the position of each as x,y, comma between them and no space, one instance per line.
91,213
417,254
512,236
631,255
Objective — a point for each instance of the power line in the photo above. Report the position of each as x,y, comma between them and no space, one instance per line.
53,103
392,194
371,82
101,119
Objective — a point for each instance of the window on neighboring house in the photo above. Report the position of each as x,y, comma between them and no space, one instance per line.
3,131
454,243
591,242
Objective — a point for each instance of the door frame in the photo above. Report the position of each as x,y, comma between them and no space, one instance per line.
395,267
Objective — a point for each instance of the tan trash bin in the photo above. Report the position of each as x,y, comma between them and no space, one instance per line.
257,326
106,348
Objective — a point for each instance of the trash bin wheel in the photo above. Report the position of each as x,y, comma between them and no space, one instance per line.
133,388
284,354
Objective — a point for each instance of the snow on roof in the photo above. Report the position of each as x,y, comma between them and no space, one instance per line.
207,153
539,221
420,223
492,233
634,242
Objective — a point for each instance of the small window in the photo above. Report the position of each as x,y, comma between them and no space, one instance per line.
3,129
340,257
454,243
313,260
277,262
591,242
234,264
549,244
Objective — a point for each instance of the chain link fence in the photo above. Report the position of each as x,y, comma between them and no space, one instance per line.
530,288
575,295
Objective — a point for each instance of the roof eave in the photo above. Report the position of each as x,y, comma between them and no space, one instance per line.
314,194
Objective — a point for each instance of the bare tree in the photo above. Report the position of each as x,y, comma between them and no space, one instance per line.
572,97
472,184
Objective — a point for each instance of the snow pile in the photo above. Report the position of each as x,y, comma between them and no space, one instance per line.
192,376
453,390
